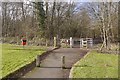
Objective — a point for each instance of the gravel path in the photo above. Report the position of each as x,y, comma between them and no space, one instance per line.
51,65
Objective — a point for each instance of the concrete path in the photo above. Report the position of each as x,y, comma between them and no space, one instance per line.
51,65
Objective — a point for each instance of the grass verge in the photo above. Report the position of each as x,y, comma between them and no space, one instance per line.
96,65
15,56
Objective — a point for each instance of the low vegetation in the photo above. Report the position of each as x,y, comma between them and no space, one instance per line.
97,65
15,56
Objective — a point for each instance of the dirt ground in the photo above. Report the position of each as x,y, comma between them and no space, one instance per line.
51,66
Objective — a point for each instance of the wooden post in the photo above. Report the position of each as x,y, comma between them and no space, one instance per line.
38,61
63,62
55,42
71,42
80,43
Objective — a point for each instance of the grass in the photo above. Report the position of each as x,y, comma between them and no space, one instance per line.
97,65
14,56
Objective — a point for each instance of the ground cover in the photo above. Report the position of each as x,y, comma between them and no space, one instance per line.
97,65
15,56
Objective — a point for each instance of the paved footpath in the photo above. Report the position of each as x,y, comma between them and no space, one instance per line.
51,65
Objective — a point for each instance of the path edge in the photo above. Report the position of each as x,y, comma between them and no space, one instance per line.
26,68
71,71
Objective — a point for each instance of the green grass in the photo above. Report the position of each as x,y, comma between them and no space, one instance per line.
97,65
14,56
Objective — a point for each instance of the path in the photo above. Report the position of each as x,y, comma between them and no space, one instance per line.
51,66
